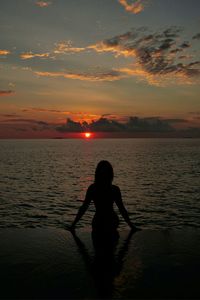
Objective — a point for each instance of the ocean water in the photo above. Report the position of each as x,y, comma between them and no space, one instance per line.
43,182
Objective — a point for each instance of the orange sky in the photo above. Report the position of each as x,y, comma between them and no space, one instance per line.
116,60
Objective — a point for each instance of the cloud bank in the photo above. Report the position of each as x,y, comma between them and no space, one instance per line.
134,124
15,126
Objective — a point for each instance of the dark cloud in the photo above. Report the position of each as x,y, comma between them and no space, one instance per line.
38,109
195,63
6,92
106,125
172,32
134,124
167,44
185,45
183,56
196,36
70,126
155,59
175,121
148,124
190,72
176,50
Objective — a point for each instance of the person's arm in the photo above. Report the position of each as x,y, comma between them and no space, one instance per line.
83,208
122,209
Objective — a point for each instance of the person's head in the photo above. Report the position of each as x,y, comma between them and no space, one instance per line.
104,173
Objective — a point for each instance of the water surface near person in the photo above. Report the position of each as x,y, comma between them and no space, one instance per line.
42,182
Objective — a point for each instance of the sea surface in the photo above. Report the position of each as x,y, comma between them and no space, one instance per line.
43,182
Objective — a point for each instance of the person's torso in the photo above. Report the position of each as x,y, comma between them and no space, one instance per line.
103,198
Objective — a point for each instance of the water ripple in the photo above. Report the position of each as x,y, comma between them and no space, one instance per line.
43,182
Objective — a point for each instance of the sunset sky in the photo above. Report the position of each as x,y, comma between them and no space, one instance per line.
86,60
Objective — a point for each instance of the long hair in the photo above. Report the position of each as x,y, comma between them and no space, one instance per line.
104,173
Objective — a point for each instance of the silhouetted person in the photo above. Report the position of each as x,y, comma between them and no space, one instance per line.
104,194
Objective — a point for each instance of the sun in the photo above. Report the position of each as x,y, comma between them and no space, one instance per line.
87,135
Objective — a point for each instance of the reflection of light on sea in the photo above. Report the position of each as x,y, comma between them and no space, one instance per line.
88,169
132,268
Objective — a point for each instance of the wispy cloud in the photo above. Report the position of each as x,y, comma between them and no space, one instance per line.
135,7
104,76
29,55
43,3
62,47
39,109
12,115
143,75
25,125
195,114
160,58
6,92
4,52
133,124
25,121
77,116
67,47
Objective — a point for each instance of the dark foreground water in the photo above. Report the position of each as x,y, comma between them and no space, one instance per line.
42,182
52,264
